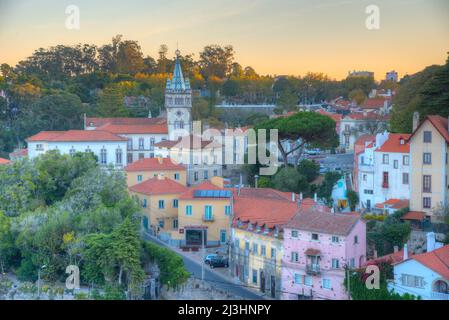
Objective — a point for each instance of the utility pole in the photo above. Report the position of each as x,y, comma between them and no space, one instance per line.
202,262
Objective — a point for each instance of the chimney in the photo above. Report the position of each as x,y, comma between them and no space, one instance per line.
256,180
405,252
315,197
395,249
430,241
300,196
375,254
415,120
293,197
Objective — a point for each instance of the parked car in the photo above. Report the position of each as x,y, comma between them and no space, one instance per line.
209,257
219,261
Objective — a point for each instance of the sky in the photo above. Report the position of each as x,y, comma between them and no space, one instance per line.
282,37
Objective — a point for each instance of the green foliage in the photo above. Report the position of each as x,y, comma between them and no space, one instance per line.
171,266
353,199
325,189
384,235
309,169
359,291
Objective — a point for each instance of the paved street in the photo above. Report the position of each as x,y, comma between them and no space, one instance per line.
217,277
341,160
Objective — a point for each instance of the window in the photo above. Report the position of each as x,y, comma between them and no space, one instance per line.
404,178
412,281
308,280
215,173
295,256
152,141
427,158
385,180
72,152
255,248
141,144
130,144
263,250
141,156
88,150
206,174
161,204
118,156
298,278
427,183
144,203
395,164
294,234
246,245
405,160
208,212
195,176
352,263
161,223
175,203
39,147
139,178
385,159
188,210
356,239
176,176
175,223
327,284
273,253
103,156
364,177
335,239
368,191
315,236
427,136
228,210
254,276
426,202
335,264
129,158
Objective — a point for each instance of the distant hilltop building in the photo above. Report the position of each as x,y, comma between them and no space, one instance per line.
361,74
391,76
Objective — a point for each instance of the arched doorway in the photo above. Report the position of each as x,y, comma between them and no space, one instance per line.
441,286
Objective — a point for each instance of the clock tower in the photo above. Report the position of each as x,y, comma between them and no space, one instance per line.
178,103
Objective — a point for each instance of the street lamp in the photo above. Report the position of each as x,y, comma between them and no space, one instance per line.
39,280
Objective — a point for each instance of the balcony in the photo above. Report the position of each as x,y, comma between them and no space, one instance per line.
439,295
208,218
313,269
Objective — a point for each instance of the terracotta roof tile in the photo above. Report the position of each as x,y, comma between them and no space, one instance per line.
437,260
374,103
75,136
154,164
157,185
98,122
440,123
414,215
394,204
135,128
4,161
393,144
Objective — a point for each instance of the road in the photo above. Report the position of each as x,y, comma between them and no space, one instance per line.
345,161
212,277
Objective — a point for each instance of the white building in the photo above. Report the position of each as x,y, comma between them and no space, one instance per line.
425,275
109,148
384,173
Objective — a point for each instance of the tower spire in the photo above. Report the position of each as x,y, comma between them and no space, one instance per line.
177,82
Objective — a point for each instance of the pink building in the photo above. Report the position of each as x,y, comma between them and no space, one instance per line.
317,247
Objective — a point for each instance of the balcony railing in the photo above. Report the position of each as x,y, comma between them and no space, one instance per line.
313,269
208,218
439,295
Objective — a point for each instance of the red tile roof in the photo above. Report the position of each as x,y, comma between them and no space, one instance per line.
154,164
19,153
394,204
206,185
437,260
393,144
157,185
98,122
312,252
264,193
4,161
367,116
323,222
414,215
391,258
135,128
365,138
374,103
335,116
440,123
75,136
188,142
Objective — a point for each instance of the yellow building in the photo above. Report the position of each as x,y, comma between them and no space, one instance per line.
147,168
159,197
205,214
429,162
256,241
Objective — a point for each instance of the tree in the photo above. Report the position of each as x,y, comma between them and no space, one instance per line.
216,61
353,199
111,103
288,179
304,128
309,169
358,95
231,88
